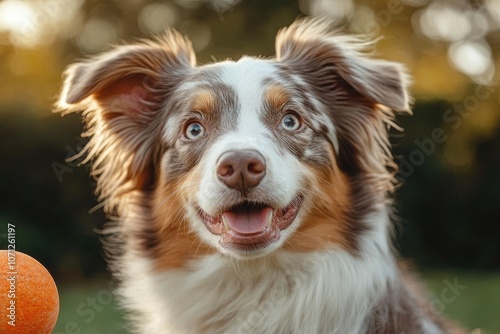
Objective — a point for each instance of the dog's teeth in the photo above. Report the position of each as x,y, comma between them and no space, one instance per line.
270,217
226,225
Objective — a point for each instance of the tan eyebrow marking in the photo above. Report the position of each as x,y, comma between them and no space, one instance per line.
276,97
204,101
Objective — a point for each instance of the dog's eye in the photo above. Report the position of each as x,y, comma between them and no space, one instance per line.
194,130
290,122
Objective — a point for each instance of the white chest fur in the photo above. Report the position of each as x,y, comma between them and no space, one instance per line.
322,292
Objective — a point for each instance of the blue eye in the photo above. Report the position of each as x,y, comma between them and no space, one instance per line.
290,122
194,130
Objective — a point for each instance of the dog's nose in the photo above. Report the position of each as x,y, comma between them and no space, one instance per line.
241,169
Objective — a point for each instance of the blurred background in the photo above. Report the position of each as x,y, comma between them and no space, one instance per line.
449,154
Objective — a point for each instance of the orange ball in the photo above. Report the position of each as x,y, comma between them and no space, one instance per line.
28,295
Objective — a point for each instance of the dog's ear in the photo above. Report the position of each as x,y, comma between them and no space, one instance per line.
359,93
309,46
122,94
129,79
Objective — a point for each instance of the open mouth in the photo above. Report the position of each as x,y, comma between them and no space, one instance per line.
249,225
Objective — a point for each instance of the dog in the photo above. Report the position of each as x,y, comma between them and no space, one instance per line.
250,196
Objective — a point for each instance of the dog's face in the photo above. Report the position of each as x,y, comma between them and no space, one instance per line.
247,138
243,157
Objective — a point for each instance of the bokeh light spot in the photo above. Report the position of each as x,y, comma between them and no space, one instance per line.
458,152
199,32
157,17
32,23
363,20
13,15
479,22
338,11
444,22
472,57
493,9
96,36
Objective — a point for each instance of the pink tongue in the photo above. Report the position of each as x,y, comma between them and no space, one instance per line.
247,221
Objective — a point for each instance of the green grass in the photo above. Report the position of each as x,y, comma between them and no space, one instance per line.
475,305
90,309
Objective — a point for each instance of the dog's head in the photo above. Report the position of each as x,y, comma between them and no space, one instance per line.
244,157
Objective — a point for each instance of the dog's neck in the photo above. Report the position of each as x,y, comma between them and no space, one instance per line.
216,294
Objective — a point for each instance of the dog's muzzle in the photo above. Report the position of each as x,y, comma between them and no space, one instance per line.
241,170
251,221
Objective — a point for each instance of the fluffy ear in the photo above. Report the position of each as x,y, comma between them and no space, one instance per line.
129,77
308,45
358,92
122,94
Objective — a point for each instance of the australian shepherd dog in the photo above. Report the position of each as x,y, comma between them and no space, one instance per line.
250,196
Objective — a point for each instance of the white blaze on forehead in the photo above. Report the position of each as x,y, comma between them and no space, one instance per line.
247,77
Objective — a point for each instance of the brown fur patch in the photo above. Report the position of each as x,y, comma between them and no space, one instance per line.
326,223
175,244
276,97
204,101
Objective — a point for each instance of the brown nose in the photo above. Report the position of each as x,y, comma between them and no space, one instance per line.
241,169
